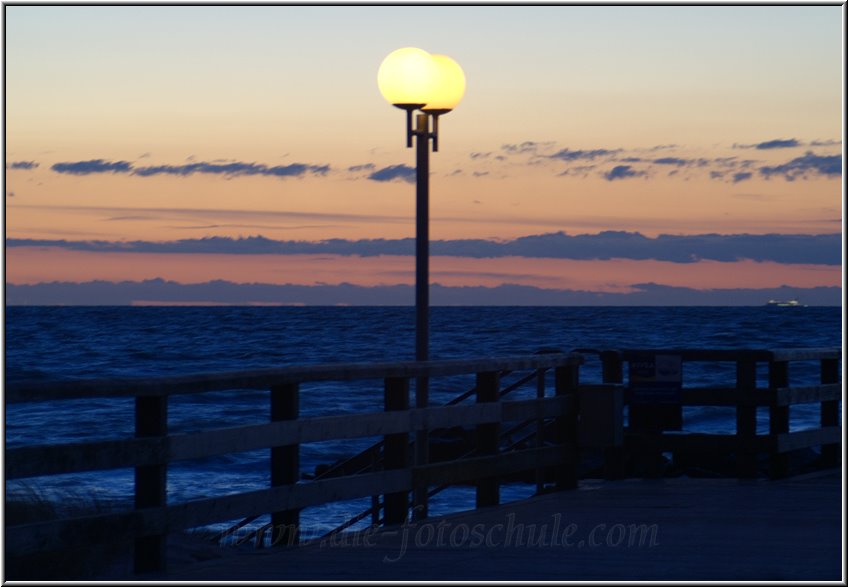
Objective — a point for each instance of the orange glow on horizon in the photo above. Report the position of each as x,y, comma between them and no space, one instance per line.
29,265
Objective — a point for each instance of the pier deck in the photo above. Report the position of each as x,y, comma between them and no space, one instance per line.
689,529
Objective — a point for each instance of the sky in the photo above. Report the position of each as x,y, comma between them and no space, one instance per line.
597,148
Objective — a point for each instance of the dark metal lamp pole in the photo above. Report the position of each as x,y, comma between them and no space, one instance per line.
414,80
422,286
423,134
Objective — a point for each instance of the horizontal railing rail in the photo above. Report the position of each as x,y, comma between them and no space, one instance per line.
263,379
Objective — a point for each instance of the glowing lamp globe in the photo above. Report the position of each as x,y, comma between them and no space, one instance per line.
449,86
407,76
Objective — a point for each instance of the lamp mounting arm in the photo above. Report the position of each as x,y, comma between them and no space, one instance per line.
435,113
409,108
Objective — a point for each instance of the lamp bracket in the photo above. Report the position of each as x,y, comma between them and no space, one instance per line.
409,108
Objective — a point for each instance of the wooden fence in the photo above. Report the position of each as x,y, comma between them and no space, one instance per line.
568,417
153,448
644,437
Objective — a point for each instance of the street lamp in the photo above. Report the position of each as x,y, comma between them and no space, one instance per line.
412,79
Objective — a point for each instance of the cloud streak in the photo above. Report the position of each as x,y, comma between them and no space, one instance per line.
22,165
623,172
394,172
779,144
92,166
223,214
230,169
632,163
234,169
363,167
527,147
808,164
611,164
772,144
578,155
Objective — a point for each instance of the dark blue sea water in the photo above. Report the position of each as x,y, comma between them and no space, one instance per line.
47,343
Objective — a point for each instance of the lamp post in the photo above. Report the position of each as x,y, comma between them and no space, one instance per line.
414,80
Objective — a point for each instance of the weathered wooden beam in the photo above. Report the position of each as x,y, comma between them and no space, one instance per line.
488,488
702,442
692,442
539,473
505,463
830,409
34,391
151,420
734,355
566,384
727,396
806,354
32,461
52,535
285,466
698,355
533,409
808,394
746,421
396,450
778,418
601,423
612,367
832,435
55,534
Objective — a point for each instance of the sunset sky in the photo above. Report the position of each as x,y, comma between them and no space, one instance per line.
595,134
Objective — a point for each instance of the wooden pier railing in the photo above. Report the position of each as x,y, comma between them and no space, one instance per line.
153,448
565,416
655,427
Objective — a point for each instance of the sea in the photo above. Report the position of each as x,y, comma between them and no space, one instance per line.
48,343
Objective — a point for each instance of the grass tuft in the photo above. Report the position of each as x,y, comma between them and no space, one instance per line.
26,504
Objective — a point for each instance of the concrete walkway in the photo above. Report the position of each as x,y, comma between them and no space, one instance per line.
671,529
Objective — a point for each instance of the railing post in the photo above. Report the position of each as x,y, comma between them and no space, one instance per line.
396,449
612,370
375,499
540,429
285,465
566,381
420,493
601,422
830,411
488,489
151,419
746,419
612,367
778,418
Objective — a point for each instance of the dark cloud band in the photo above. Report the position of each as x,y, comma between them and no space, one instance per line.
821,249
